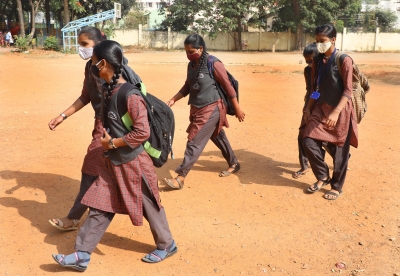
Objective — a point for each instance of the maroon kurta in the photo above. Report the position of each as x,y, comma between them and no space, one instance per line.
199,116
316,128
122,193
93,163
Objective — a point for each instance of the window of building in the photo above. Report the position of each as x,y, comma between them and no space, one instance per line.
150,5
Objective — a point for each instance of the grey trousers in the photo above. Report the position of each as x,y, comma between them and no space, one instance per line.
97,222
195,147
340,155
78,209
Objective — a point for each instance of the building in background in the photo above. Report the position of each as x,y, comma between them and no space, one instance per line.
393,5
151,7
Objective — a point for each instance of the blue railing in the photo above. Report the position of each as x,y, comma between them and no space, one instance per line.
70,31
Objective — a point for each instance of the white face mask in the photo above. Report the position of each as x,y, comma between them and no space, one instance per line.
323,47
85,53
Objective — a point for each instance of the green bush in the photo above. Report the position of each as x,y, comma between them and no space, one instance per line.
51,43
22,43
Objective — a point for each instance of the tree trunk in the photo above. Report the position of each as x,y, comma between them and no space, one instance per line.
299,36
47,11
297,18
21,18
33,15
239,45
34,11
66,12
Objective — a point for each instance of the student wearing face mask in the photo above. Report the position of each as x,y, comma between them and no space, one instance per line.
133,188
207,110
309,53
330,115
93,167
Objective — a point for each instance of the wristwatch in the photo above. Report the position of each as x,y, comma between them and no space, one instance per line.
64,116
111,143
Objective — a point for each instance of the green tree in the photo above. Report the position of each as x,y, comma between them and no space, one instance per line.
382,18
214,17
303,16
135,17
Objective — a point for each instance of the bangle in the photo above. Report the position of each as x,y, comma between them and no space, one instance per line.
306,111
111,143
338,109
64,116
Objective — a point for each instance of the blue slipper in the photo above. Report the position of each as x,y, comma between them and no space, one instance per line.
73,260
159,255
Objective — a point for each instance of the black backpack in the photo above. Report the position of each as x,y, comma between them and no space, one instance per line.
161,120
229,107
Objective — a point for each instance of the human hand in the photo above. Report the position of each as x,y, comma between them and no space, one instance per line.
240,115
55,122
331,120
171,102
306,115
105,138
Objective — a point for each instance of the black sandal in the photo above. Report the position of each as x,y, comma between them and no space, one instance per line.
235,168
315,187
299,173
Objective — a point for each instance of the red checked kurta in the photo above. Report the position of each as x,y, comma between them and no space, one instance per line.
118,189
199,116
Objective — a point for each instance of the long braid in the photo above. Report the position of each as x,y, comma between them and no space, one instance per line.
203,58
107,95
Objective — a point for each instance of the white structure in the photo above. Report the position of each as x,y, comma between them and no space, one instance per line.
149,5
393,5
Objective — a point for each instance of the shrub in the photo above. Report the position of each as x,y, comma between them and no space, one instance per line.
51,43
22,43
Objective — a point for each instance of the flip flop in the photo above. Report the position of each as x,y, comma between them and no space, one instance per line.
79,264
299,174
159,255
335,195
228,173
60,224
170,183
315,187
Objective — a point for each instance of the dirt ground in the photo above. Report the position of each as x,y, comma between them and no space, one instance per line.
256,222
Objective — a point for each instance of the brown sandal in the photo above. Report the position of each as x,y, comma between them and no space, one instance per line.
60,225
170,183
235,168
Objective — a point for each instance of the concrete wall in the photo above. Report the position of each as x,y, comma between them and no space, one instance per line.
259,41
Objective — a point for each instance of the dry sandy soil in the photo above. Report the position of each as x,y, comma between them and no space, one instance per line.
257,222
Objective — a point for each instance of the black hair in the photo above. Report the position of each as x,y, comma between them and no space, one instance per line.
93,34
310,50
328,30
196,41
111,51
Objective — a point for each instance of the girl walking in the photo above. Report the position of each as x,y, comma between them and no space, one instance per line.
132,188
309,53
207,110
329,114
93,167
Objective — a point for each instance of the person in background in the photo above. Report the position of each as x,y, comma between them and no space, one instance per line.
207,110
309,53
